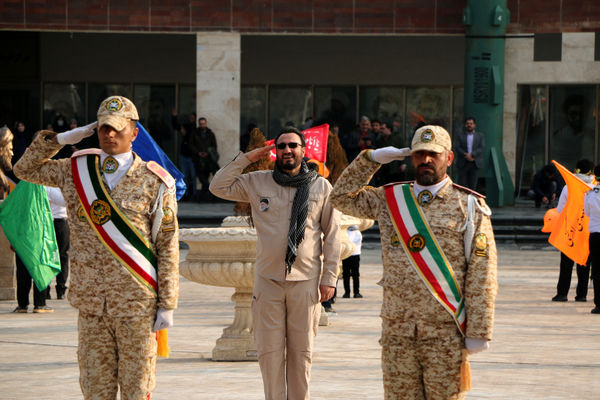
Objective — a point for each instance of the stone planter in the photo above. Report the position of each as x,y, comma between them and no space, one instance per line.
224,256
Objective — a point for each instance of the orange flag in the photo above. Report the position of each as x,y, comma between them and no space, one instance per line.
162,338
570,233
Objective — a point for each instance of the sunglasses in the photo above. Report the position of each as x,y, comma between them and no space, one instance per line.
292,145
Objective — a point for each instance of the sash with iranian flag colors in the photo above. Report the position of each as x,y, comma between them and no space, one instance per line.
113,228
424,252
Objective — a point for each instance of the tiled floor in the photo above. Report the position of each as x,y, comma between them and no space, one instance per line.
541,349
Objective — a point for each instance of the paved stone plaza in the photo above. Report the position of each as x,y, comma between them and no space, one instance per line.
541,349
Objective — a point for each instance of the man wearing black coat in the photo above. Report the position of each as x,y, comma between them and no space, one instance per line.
468,154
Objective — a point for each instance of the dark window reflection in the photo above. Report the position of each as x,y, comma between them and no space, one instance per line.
155,104
63,102
531,135
253,108
289,106
571,124
336,106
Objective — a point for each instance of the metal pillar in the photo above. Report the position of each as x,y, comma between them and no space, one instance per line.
485,22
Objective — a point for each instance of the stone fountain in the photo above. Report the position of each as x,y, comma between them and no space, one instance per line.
224,256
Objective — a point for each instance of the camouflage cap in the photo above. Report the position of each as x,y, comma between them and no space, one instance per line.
431,138
116,111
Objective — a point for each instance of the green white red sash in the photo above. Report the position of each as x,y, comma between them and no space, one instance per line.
113,228
424,252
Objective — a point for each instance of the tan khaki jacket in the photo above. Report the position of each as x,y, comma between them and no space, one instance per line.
271,210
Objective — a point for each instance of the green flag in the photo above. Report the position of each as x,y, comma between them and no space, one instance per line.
27,222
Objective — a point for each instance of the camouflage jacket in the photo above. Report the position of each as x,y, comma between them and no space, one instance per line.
406,299
98,282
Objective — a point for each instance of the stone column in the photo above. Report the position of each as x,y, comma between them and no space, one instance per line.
8,283
218,71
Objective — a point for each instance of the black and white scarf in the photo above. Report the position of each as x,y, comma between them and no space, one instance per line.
302,181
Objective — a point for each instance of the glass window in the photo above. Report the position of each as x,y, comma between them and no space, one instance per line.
428,105
99,91
63,102
531,134
336,105
458,110
186,111
253,112
288,105
155,104
387,105
186,101
571,124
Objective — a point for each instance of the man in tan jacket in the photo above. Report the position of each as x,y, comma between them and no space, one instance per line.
439,267
295,225
124,249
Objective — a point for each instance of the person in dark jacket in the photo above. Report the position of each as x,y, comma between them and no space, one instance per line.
468,151
546,186
206,155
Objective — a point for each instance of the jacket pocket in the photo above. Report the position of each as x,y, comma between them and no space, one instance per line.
137,206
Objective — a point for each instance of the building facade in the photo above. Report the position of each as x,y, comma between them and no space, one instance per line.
271,62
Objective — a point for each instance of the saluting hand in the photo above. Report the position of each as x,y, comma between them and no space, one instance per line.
74,136
388,154
261,152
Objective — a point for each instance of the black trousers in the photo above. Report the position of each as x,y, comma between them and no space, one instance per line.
24,283
467,175
564,277
595,256
350,269
61,227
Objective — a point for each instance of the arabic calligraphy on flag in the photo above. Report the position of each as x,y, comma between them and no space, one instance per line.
316,143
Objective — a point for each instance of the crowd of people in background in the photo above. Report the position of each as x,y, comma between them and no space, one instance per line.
198,157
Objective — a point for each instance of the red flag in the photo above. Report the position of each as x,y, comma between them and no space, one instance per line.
570,233
316,143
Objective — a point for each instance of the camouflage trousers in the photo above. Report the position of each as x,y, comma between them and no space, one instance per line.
116,352
420,368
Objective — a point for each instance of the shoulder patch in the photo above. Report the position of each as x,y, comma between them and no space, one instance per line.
86,152
162,173
470,191
397,183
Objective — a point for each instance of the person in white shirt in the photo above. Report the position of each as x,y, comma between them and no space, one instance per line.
591,208
61,228
351,264
583,170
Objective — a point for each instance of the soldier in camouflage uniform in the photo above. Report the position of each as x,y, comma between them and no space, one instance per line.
119,307
422,342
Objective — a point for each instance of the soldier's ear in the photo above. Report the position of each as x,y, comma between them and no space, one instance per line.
450,157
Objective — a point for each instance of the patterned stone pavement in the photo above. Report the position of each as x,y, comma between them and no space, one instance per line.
541,349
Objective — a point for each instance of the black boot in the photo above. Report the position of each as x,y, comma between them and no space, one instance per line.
60,292
356,287
346,279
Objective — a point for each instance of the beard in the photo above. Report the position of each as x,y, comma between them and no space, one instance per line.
428,177
287,166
